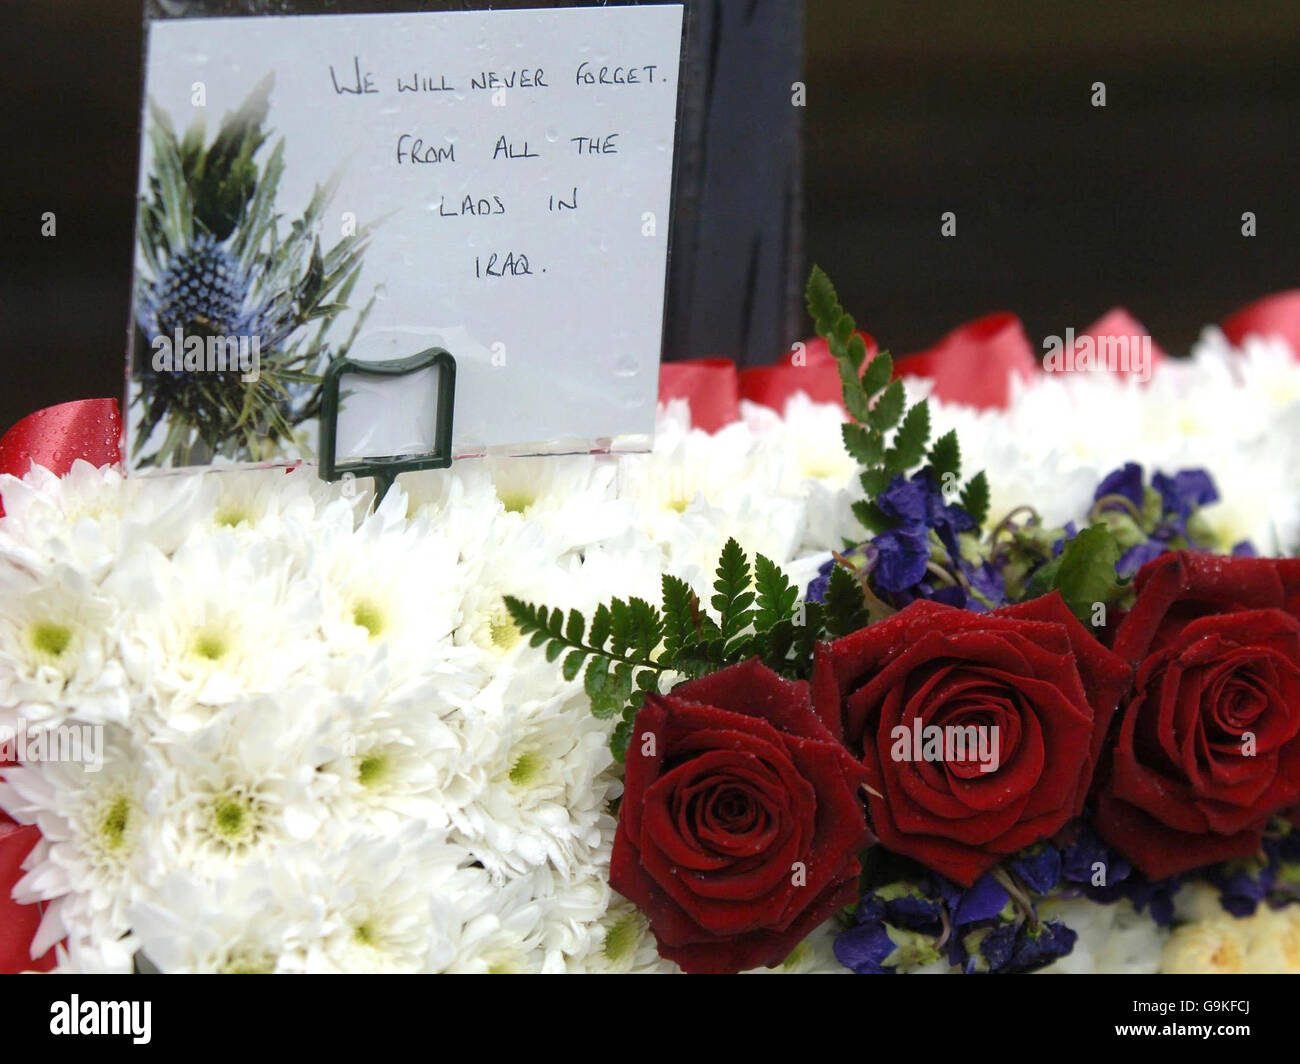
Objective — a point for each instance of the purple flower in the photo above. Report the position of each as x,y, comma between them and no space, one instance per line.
917,505
907,500
1135,557
862,556
1038,868
1071,530
1125,481
1087,855
866,949
1186,491
983,901
817,586
1038,946
904,555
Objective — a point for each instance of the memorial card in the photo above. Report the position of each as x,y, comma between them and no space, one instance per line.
324,193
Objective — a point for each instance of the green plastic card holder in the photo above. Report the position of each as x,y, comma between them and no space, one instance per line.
384,470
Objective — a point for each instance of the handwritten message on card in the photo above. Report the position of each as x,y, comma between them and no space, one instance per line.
508,174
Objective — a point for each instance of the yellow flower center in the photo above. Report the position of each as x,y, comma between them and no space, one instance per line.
516,502
372,770
210,645
367,615
526,769
622,937
231,516
504,632
51,638
114,821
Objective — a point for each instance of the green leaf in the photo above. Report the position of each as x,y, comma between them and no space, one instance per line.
573,664
524,614
857,352
823,304
975,498
945,455
864,446
576,628
874,481
776,594
878,373
618,742
775,644
733,597
600,627
680,606
647,628
1086,575
845,606
1044,579
856,399
601,689
888,408
873,519
554,621
621,631
910,441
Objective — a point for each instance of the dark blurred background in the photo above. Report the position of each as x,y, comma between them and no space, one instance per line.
914,108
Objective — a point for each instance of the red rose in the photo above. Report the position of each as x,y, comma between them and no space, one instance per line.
741,820
1207,750
1035,685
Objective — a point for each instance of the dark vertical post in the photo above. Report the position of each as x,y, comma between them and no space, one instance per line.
735,273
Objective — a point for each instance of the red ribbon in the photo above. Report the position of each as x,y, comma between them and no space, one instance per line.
974,363
809,368
1119,324
709,384
90,429
1275,315
18,923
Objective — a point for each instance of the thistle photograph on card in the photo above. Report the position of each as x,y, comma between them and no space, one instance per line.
237,309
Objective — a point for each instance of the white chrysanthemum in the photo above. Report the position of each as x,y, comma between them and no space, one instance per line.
85,518
1207,947
690,468
619,941
1227,411
395,753
1210,939
1274,941
572,498
1113,939
404,902
231,924
93,858
220,620
392,582
504,932
57,650
79,955
242,785
258,503
545,790
809,436
773,527
515,557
